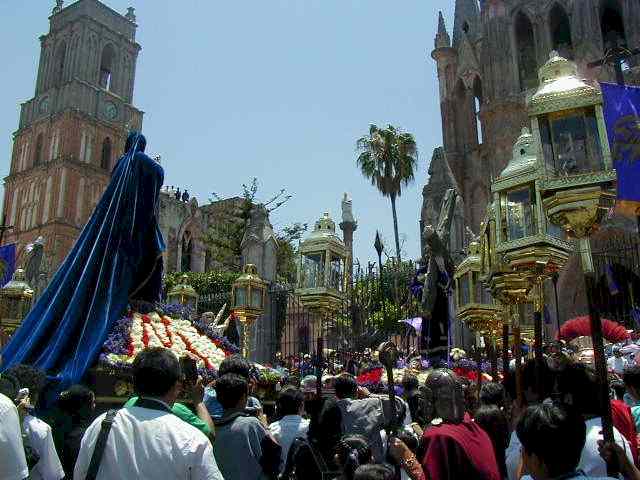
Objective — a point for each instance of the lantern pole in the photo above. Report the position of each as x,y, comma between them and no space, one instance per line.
505,351
554,279
379,246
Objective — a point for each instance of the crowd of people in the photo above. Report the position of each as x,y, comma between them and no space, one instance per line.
444,428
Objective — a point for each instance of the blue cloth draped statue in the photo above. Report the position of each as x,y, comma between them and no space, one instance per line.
117,258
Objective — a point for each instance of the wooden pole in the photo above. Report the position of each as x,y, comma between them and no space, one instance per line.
505,351
518,354
320,360
537,325
598,348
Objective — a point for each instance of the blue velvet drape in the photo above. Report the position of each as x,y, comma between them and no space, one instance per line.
116,257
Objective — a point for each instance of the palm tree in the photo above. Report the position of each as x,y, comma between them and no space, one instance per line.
388,157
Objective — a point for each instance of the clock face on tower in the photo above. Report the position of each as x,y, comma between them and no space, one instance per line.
110,111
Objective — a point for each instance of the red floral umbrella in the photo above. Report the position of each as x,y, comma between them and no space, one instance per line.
612,331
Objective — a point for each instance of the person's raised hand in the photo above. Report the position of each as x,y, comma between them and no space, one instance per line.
398,450
195,391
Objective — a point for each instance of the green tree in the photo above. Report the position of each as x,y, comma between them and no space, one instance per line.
388,157
287,253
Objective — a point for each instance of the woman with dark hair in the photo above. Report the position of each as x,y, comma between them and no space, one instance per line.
314,458
493,421
75,409
351,452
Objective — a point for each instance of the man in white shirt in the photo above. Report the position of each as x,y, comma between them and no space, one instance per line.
13,464
553,442
41,440
37,433
292,425
147,440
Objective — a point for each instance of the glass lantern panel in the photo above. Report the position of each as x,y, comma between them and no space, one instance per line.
256,298
519,209
465,293
335,273
571,142
312,275
240,297
555,231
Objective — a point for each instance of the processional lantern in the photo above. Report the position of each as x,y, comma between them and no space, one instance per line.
509,288
15,302
475,306
579,186
321,282
183,293
247,298
568,124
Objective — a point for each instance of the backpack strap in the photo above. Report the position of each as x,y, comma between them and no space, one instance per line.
101,443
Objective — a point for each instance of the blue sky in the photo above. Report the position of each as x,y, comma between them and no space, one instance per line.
276,89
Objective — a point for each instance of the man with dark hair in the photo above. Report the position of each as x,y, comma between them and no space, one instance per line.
238,365
365,414
147,440
37,434
291,425
374,471
577,385
346,386
244,448
410,384
492,393
552,442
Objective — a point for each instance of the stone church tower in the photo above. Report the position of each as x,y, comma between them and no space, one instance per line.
73,129
488,67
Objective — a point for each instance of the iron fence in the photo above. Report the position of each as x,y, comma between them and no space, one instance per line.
371,311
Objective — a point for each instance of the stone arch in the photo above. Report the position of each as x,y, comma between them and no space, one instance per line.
107,67
464,114
186,251
38,151
477,203
477,107
612,24
59,64
106,152
525,48
560,31
190,235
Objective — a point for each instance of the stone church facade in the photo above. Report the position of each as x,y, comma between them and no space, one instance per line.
487,68
73,129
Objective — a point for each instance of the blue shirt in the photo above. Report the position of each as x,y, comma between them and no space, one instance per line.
216,410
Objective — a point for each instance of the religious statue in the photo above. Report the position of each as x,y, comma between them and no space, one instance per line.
347,210
117,260
438,268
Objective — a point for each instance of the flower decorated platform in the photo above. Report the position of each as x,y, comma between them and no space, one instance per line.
135,331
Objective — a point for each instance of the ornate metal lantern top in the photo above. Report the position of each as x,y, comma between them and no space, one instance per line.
17,288
322,263
323,237
183,292
562,88
248,294
524,161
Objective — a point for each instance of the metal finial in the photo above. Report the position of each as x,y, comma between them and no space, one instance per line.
58,7
131,14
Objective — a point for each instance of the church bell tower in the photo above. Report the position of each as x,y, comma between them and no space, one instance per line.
73,129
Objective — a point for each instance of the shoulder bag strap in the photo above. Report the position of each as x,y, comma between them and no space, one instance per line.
101,444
